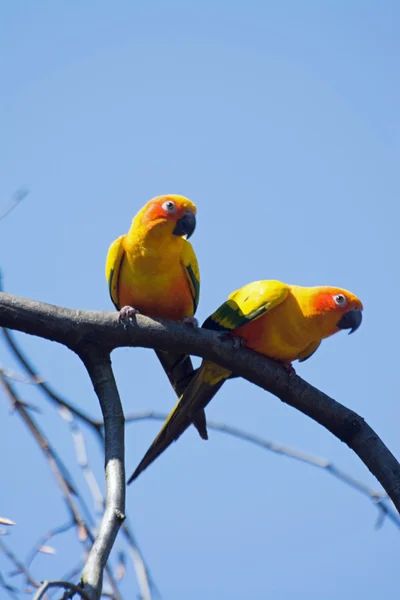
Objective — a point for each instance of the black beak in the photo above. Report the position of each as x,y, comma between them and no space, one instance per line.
185,225
350,320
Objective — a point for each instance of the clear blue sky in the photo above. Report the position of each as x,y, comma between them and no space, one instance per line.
280,120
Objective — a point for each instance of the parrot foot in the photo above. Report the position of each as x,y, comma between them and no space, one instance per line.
288,367
237,341
191,321
126,315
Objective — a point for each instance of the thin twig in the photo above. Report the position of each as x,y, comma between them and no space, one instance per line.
16,198
10,374
146,584
62,476
56,398
46,538
19,566
82,458
10,589
376,496
66,585
73,573
52,457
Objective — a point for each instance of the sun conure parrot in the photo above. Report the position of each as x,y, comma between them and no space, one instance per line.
283,322
153,270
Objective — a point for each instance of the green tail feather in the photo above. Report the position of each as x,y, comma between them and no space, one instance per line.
180,372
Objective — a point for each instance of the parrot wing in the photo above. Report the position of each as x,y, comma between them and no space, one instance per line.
244,305
191,267
114,260
247,304
309,351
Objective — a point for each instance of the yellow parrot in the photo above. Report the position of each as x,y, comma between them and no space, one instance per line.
283,322
153,270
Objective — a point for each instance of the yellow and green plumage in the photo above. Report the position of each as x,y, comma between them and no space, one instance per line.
283,322
154,270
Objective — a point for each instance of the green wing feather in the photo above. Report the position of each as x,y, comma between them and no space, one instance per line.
180,372
247,304
192,272
309,351
114,260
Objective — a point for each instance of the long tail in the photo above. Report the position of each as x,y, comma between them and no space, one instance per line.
200,391
180,372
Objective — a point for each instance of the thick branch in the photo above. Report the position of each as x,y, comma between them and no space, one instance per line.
74,328
98,365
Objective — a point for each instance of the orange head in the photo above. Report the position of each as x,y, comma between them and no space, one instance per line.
338,309
173,214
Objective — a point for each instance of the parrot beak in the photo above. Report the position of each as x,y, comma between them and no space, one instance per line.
185,225
350,320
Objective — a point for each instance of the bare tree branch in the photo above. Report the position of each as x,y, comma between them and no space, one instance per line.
73,573
98,365
146,584
20,568
142,573
62,475
16,198
75,328
70,413
11,590
54,397
63,478
45,538
62,585
10,374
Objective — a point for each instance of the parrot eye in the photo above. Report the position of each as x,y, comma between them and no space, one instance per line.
169,207
340,299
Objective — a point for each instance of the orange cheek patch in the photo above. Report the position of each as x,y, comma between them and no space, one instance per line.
154,212
324,301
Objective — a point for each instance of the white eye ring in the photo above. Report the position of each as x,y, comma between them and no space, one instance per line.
169,207
340,300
